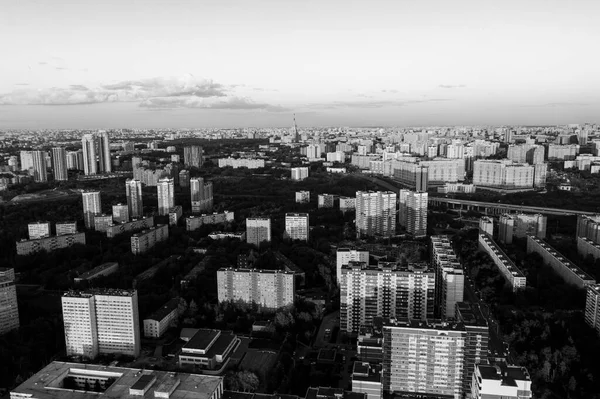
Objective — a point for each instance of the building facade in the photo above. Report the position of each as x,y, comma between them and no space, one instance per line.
412,212
147,239
450,279
166,195
375,213
133,189
258,230
269,289
9,308
296,226
92,206
59,164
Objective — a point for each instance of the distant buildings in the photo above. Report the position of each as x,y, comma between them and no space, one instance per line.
175,214
347,204
302,197
201,195
375,214
299,173
193,156
96,153
258,230
520,225
325,200
296,226
250,163
269,289
195,222
9,309
75,160
166,195
59,164
92,207
387,290
101,322
133,189
38,230
589,227
40,173
508,175
486,225
49,244
147,239
413,212
505,265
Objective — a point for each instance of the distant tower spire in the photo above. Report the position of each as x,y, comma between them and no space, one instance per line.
296,136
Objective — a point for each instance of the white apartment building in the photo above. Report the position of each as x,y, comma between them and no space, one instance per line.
296,226
299,173
166,195
302,197
325,201
38,230
91,207
375,213
270,289
345,255
500,381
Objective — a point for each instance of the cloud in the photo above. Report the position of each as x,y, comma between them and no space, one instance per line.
389,91
21,84
146,91
565,104
232,103
60,68
451,86
374,104
42,63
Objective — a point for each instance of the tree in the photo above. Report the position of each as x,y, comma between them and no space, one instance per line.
182,307
248,381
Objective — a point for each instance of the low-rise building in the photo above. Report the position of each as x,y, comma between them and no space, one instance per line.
500,381
347,204
158,322
366,378
325,200
81,381
302,197
221,235
64,228
250,163
208,349
195,222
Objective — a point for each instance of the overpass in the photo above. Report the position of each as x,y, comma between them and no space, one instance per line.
498,208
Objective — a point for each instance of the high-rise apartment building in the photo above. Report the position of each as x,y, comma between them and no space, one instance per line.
120,213
477,342
258,230
270,289
184,178
166,195
450,279
75,160
375,213
39,230
302,197
299,173
296,226
520,225
101,322
9,309
40,173
96,153
412,212
345,255
193,156
59,164
201,195
65,228
503,174
387,290
486,225
91,207
425,358
26,158
133,189
592,307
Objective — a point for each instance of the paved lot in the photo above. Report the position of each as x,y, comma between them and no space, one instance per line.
330,321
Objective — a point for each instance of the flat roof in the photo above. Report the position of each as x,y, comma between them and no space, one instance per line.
98,269
100,291
431,324
217,348
202,339
45,383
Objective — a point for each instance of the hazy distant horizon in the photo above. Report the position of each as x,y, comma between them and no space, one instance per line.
235,64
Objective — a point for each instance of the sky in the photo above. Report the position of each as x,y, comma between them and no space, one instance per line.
255,63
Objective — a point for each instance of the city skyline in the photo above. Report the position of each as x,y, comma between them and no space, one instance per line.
359,64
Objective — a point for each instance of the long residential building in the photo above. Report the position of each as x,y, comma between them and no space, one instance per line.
102,321
387,290
412,212
589,227
592,307
250,163
27,247
269,289
505,265
147,239
195,222
137,224
73,381
449,276
375,213
104,269
503,174
587,247
569,272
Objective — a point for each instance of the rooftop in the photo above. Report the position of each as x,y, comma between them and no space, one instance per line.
430,324
202,339
48,382
164,310
507,374
97,269
100,291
